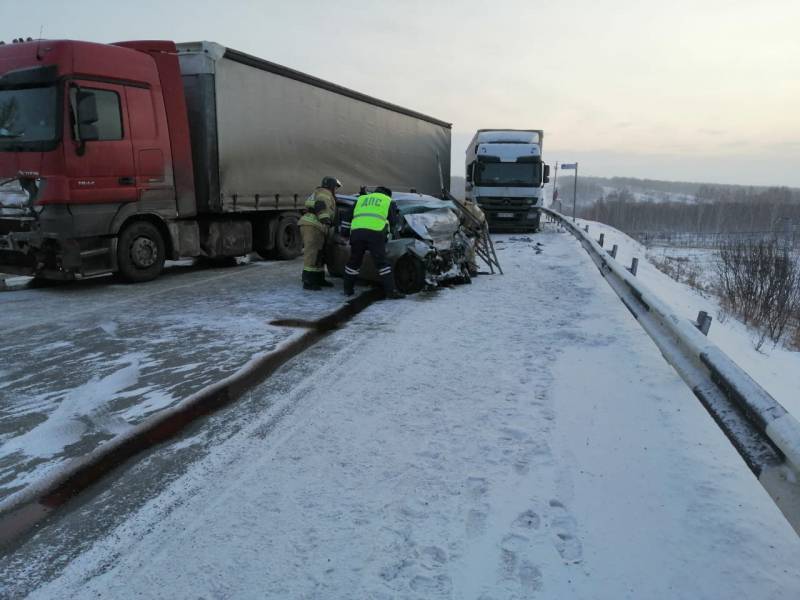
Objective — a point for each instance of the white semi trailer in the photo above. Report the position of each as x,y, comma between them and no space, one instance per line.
505,176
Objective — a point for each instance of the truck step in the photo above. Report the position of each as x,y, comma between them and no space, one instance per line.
94,252
94,273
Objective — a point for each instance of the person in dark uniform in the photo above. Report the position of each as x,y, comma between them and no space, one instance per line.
373,216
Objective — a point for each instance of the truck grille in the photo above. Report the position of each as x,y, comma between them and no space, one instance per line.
500,202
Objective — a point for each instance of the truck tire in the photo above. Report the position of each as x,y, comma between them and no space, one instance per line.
409,274
140,252
288,243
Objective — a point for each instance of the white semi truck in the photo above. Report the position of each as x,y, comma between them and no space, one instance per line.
505,176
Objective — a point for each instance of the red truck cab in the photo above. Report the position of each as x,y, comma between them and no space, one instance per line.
95,159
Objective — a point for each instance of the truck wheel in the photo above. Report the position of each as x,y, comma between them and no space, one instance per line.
140,252
261,237
288,243
409,274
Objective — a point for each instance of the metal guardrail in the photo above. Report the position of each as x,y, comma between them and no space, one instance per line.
766,436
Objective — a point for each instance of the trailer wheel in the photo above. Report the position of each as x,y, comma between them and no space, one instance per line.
409,274
140,252
288,243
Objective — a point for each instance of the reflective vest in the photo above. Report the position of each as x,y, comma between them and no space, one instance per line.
371,212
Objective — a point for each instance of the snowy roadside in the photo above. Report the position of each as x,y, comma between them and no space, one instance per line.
777,370
514,438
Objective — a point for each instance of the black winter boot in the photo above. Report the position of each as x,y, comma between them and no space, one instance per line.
349,285
310,282
389,289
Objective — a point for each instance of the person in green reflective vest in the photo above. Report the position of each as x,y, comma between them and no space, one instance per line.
373,216
315,227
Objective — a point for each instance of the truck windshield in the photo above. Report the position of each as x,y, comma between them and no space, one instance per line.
508,174
27,117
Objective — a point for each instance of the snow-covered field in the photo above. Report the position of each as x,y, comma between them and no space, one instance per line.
685,263
776,369
520,437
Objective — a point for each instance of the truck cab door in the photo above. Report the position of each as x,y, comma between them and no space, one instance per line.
100,171
151,151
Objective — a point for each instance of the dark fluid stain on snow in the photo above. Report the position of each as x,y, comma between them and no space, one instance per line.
301,323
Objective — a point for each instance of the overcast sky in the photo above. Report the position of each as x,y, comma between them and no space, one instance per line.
683,90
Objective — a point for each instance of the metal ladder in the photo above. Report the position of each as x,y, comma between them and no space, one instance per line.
484,247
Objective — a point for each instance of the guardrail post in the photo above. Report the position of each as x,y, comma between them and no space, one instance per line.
602,239
613,252
634,266
703,322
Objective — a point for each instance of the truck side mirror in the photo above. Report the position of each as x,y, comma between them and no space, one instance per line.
88,132
469,174
546,174
87,108
83,106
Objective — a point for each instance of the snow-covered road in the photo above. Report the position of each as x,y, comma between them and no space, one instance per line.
83,362
520,437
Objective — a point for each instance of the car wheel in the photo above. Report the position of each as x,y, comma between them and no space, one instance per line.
409,274
140,252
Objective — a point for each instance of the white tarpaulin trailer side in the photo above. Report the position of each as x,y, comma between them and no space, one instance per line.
263,135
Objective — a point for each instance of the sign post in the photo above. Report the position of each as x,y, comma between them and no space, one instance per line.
574,167
555,188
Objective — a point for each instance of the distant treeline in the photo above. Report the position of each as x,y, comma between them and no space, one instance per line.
737,193
717,209
591,189
645,185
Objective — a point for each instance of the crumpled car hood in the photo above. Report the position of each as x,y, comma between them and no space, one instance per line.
436,226
13,199
417,203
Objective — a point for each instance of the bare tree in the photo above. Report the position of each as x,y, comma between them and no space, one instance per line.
759,281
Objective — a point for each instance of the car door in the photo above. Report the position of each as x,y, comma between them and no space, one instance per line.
102,171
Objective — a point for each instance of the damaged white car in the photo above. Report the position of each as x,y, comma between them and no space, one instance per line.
427,247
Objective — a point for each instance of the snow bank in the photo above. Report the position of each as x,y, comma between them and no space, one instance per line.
777,370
